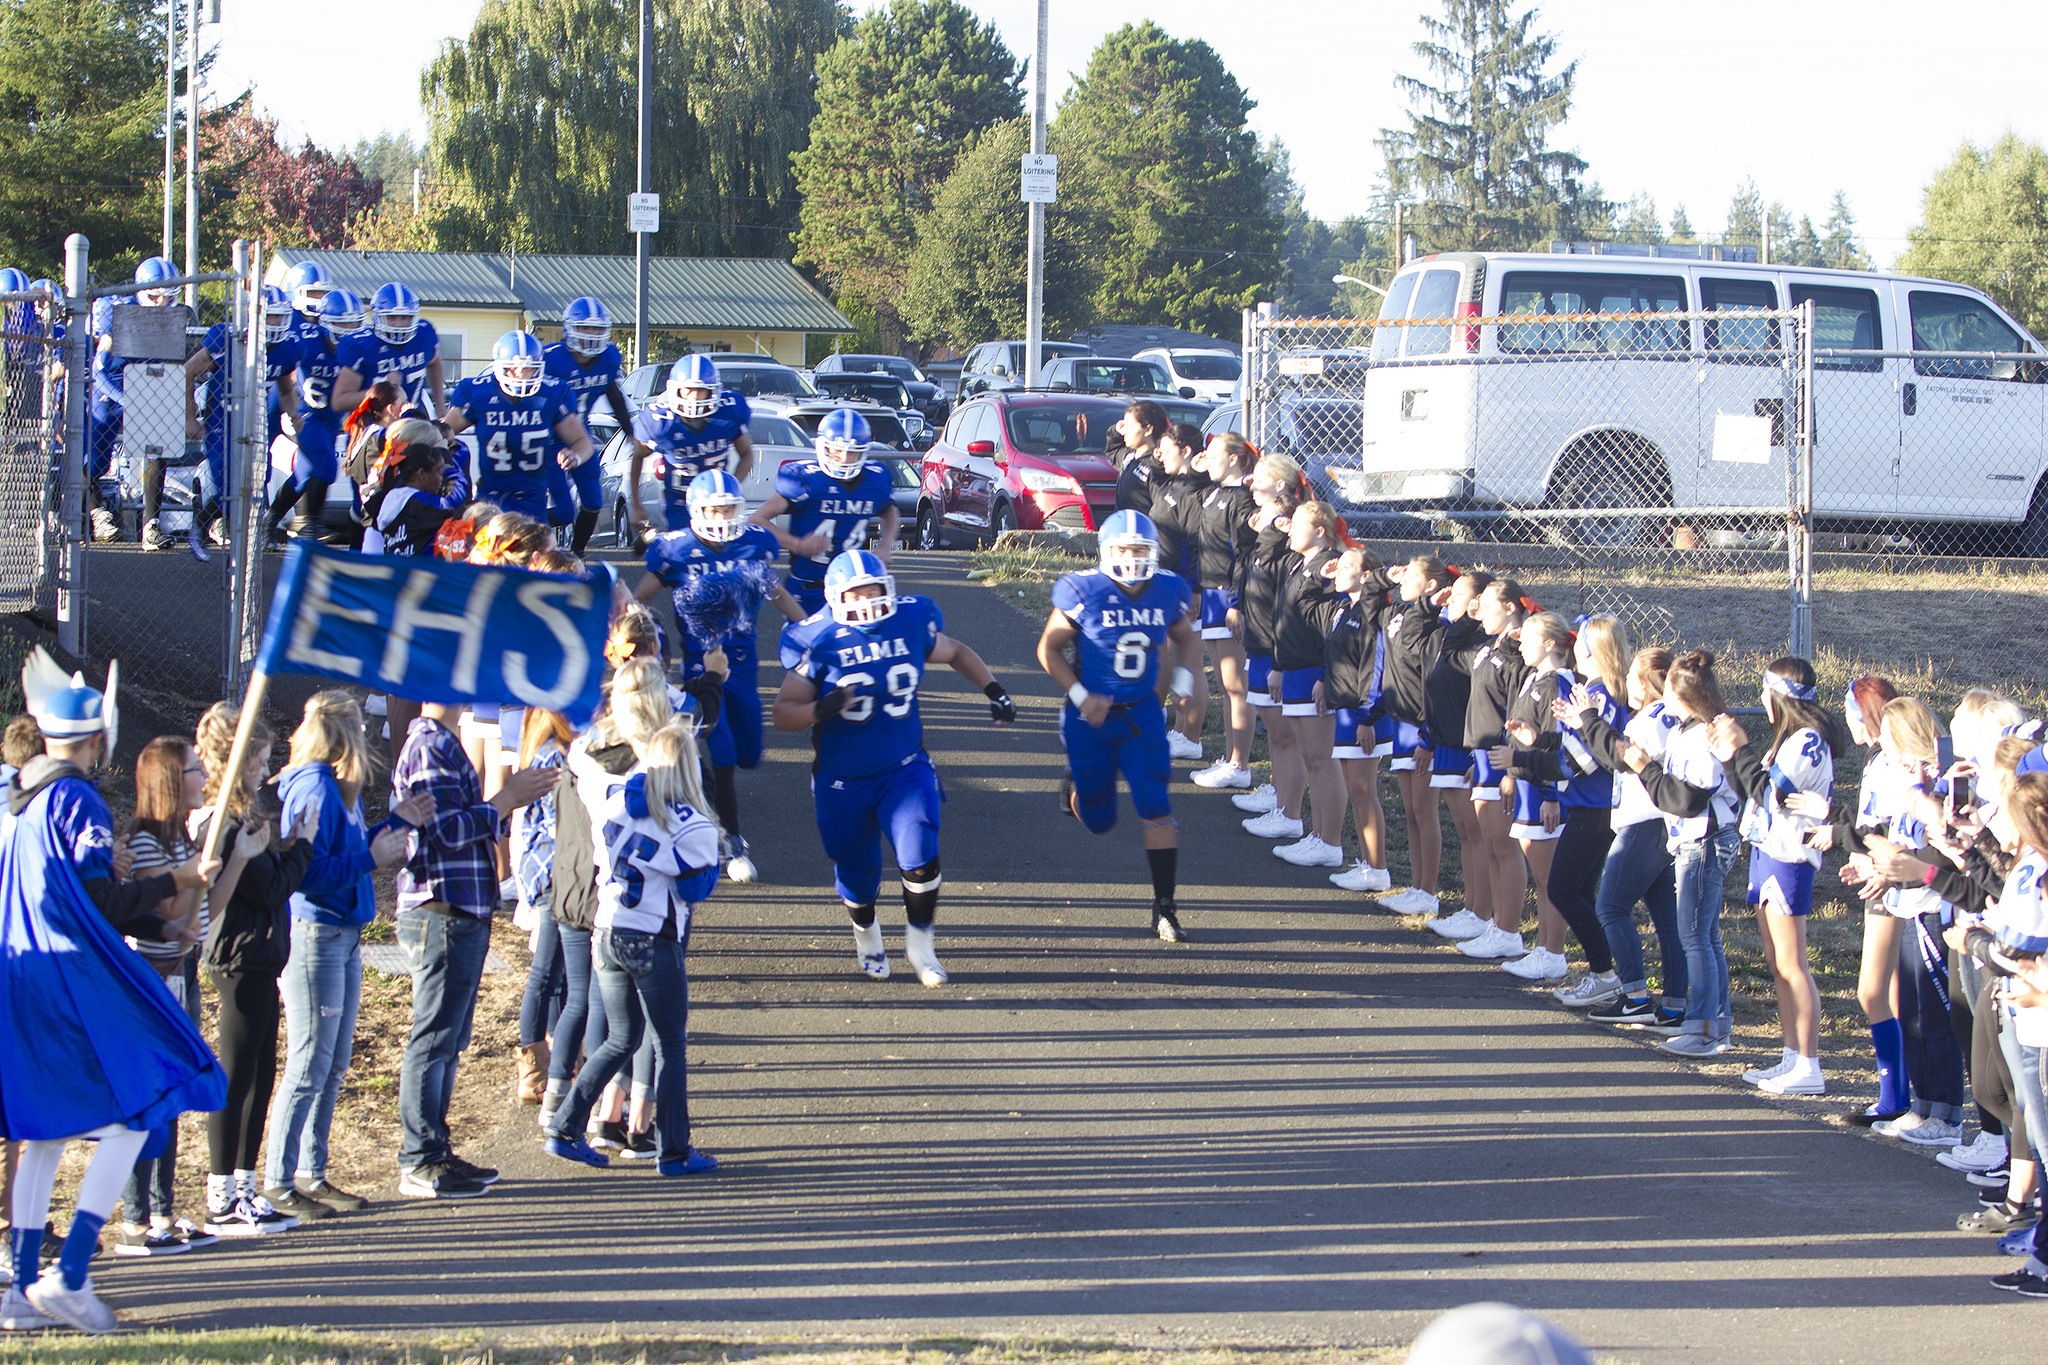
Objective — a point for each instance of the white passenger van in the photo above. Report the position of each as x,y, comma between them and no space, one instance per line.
1576,413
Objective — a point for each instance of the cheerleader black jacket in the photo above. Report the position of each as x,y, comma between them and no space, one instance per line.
1303,611
1497,674
1447,686
1258,589
1141,474
1226,538
1412,630
1177,514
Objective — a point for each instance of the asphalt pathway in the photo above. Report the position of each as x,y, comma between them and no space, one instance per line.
1308,1126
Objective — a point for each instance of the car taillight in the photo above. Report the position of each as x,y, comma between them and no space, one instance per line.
1468,337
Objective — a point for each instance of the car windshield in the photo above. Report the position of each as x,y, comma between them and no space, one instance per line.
1119,376
1061,428
874,388
751,381
766,429
1182,410
1198,365
903,473
1332,428
893,365
882,430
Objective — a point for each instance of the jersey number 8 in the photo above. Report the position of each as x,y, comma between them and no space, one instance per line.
902,685
1129,661
532,451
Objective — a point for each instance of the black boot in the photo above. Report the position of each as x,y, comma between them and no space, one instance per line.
586,524
312,502
281,503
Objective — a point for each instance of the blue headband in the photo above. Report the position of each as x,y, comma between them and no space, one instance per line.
1785,687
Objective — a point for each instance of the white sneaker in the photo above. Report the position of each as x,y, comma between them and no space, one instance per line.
1221,773
1757,1075
1360,876
1540,965
1275,825
1413,901
917,949
1493,942
104,527
738,866
80,1307
1258,800
17,1314
1179,745
1984,1152
869,951
1311,852
1803,1077
1458,927
1590,990
1932,1133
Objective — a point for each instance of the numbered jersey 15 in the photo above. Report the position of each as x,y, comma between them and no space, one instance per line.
843,510
1117,654
515,437
883,664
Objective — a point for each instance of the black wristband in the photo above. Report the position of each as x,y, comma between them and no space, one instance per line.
1000,706
994,692
831,704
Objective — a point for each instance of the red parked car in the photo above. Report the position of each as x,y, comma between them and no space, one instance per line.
1018,461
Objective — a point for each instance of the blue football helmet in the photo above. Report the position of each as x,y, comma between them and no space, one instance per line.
842,443
718,507
395,313
586,326
851,570
341,313
13,281
102,317
277,313
65,706
307,284
1129,545
694,382
151,271
518,361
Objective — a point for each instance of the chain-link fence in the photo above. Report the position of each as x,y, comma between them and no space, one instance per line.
31,426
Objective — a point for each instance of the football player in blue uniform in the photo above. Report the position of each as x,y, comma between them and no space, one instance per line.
318,463
718,572
526,425
832,503
307,286
696,426
210,374
855,689
588,365
399,345
1126,620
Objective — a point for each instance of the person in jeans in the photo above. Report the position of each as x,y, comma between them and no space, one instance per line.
657,857
323,975
447,892
1692,789
544,742
244,953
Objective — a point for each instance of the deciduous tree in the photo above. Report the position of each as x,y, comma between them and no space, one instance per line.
1981,223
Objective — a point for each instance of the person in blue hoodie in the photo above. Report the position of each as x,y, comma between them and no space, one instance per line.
322,981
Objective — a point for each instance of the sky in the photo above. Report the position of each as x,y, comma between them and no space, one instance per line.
1680,101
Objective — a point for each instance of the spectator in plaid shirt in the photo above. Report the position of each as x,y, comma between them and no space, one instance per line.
447,892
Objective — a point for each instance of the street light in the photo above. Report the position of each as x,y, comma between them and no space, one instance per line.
1353,279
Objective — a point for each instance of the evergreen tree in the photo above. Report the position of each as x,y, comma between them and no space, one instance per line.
1476,151
899,99
1745,226
1838,245
389,157
967,275
1980,223
1186,233
1681,226
532,120
1641,222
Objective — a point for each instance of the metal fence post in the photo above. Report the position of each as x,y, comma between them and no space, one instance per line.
231,430
1799,540
71,586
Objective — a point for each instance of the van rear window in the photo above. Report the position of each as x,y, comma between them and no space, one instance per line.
1562,293
1386,341
1435,297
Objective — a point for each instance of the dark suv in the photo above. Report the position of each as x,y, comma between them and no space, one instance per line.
995,366
1018,461
925,394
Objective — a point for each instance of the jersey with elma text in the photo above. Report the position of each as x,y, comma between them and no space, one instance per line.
585,383
280,358
718,589
374,358
1117,653
688,451
842,510
884,664
515,437
319,361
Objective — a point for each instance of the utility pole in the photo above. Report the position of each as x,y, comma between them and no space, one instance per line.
1034,288
170,119
192,147
646,157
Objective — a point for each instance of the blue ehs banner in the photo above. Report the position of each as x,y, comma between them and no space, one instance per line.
434,631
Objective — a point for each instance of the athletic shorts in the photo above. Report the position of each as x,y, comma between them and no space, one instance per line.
1298,691
1409,742
1485,777
1450,768
1353,733
1132,741
1529,801
1790,884
1215,608
1257,669
854,813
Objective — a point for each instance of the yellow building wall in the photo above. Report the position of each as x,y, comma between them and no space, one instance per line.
467,335
787,347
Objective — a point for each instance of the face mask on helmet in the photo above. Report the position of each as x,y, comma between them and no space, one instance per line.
718,518
842,460
696,404
307,298
341,314
863,602
277,315
518,377
587,338
1130,561
397,329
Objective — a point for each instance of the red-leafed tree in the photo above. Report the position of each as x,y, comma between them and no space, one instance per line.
257,188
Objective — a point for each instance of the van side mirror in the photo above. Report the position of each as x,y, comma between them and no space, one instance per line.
1000,371
1186,392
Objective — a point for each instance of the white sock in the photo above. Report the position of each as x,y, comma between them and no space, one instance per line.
220,1193
245,1184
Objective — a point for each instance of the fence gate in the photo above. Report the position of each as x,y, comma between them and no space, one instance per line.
31,431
